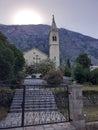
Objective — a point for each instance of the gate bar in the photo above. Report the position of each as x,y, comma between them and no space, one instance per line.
23,106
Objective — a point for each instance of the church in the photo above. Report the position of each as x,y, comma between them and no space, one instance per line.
35,56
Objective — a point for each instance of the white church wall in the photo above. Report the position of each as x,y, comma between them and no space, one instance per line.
34,56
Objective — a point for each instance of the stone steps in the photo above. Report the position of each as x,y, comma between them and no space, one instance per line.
35,100
40,108
34,108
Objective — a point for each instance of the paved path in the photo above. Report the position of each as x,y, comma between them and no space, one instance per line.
58,126
33,81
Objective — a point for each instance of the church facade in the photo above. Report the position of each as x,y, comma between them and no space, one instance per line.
35,56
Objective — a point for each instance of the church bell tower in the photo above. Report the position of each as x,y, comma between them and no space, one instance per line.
54,44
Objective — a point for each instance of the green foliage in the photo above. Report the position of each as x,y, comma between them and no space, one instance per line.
3,39
81,74
54,77
19,59
6,63
68,63
6,96
11,59
67,69
82,69
78,73
94,76
83,60
60,98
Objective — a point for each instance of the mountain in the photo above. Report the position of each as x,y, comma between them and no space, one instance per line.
72,43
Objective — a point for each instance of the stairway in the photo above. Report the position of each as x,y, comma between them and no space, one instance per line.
40,108
35,100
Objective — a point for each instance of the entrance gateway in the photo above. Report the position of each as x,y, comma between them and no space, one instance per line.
36,103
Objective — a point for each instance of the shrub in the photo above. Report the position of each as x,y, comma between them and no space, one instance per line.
67,71
94,76
91,95
6,96
54,77
81,74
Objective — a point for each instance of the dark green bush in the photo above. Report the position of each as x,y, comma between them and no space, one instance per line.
94,76
6,96
81,74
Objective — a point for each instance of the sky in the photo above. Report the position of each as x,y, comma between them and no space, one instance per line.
75,15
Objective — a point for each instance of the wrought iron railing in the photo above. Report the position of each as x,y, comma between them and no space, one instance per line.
35,103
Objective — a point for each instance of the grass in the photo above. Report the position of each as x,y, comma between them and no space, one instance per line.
91,113
90,87
3,112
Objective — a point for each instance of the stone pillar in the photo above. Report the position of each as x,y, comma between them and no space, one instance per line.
76,106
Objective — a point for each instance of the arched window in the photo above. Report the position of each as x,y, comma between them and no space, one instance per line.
54,38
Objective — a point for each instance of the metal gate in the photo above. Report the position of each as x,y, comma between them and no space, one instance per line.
36,103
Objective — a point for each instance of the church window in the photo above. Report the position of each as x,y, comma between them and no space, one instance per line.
54,38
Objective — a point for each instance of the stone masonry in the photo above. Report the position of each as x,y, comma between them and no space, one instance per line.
76,107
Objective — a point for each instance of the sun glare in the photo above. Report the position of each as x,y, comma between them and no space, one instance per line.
27,17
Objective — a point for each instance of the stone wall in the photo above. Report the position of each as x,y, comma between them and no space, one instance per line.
92,126
90,101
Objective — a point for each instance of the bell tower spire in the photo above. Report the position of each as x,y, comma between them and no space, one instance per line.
53,27
54,43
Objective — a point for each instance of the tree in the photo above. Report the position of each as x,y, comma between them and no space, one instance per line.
81,74
82,69
11,59
94,76
6,64
67,69
84,60
19,59
78,73
3,39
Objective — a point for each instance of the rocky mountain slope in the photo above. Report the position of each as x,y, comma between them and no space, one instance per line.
72,44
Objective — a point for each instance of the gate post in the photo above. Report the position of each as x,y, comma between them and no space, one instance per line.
76,106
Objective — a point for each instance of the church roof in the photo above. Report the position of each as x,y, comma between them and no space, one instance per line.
36,50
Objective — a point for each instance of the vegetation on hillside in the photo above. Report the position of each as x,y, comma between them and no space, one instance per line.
26,37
